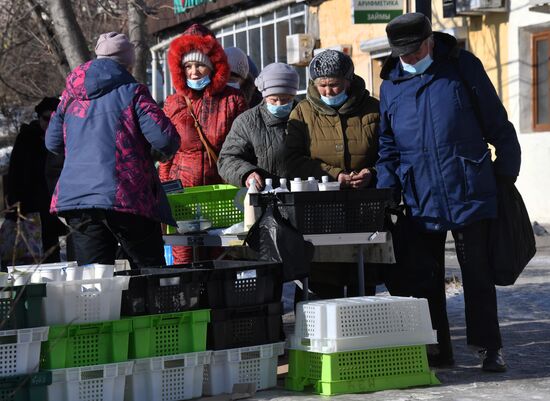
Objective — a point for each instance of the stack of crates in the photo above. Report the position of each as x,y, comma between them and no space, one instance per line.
245,330
168,337
360,344
22,332
239,302
86,352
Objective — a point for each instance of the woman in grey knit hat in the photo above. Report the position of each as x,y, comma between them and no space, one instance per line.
254,146
334,132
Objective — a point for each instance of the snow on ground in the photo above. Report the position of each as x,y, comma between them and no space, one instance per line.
524,311
5,157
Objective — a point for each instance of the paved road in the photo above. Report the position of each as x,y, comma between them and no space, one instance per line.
524,311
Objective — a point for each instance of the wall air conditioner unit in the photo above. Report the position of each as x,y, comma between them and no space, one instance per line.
299,49
478,7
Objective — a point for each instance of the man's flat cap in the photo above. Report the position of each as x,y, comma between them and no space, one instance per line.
407,32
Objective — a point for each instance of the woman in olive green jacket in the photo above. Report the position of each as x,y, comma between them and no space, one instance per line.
334,131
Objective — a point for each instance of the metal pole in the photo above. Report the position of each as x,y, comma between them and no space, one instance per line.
424,7
154,72
360,271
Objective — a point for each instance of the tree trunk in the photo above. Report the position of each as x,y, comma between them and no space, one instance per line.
47,31
69,32
138,36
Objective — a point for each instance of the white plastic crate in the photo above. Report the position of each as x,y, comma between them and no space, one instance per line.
39,273
257,364
167,378
360,323
66,271
20,350
83,301
90,383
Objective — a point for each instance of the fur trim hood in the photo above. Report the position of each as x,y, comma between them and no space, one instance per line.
198,37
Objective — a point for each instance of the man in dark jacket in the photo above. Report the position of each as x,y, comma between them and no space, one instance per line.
439,111
26,180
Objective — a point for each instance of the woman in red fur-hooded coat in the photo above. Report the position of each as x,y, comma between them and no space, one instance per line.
215,106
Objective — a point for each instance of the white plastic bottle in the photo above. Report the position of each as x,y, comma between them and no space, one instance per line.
268,186
283,187
249,210
297,185
322,184
312,184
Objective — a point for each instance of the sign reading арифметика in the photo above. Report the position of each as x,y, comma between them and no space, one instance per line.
181,6
375,11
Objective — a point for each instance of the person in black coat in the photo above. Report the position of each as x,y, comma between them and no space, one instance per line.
26,181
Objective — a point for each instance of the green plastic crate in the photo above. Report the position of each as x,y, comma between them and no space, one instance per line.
216,204
359,371
86,344
21,306
168,333
31,387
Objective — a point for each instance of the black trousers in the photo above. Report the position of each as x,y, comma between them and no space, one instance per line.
97,233
52,229
420,272
480,298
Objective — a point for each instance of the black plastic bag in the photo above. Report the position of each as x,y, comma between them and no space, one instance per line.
511,237
276,240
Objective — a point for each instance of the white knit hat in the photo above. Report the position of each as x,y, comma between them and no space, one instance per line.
199,57
238,61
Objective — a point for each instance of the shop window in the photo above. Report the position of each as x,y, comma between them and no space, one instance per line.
541,85
263,38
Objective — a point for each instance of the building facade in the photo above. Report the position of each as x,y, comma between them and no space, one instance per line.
511,37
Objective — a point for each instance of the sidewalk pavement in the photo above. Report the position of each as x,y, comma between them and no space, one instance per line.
524,311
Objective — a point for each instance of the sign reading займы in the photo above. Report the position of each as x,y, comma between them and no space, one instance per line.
376,11
181,6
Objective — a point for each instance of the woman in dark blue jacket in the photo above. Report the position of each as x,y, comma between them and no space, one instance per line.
439,112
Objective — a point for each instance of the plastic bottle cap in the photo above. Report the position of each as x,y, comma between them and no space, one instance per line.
297,179
268,181
311,178
324,179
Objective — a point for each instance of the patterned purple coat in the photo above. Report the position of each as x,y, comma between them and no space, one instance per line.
106,125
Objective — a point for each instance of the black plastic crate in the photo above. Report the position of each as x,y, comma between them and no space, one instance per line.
21,306
234,283
158,290
328,212
245,326
31,387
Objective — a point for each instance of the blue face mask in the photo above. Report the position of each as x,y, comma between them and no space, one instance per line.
235,85
419,67
198,84
281,111
335,101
